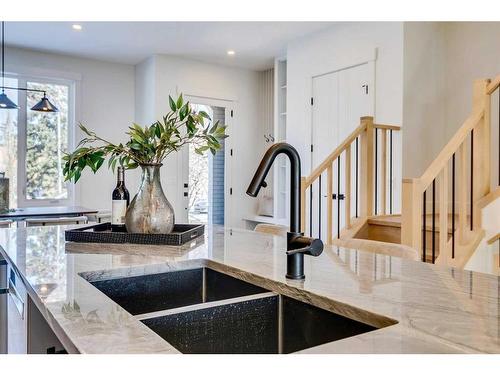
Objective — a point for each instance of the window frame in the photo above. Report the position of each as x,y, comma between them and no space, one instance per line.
22,81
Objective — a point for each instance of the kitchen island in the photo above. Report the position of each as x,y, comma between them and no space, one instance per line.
414,307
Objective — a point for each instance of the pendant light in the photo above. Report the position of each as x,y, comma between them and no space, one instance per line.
44,105
5,102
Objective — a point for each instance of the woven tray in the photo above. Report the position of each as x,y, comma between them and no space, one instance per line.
101,233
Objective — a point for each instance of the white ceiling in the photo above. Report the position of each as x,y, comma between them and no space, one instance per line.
255,43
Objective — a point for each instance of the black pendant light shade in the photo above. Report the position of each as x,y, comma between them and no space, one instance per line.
6,103
44,105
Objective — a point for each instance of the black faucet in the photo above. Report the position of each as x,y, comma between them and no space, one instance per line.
297,243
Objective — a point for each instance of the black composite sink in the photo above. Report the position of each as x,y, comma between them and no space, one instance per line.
204,311
257,325
156,292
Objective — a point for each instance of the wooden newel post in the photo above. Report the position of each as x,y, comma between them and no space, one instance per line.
303,204
366,168
481,143
411,220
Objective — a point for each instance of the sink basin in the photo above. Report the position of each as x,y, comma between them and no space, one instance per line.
266,323
205,311
148,293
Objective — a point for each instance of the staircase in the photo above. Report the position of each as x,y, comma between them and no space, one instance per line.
441,220
356,180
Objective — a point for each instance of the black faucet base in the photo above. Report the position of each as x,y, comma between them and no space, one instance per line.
294,262
294,277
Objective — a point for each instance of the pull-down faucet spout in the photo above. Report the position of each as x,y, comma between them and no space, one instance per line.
297,244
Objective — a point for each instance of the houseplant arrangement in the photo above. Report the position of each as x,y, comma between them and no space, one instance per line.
149,211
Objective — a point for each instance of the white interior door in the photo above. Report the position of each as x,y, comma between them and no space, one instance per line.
340,99
184,188
325,119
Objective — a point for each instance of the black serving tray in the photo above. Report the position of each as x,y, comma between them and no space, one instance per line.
101,233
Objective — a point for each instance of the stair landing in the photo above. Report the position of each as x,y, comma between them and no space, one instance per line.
395,221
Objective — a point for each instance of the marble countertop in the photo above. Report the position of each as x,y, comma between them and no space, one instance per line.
31,212
437,309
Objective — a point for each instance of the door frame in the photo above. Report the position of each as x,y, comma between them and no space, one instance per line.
228,105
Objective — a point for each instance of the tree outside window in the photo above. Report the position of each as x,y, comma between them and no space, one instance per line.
46,143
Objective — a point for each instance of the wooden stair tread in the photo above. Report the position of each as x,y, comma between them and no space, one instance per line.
386,220
395,221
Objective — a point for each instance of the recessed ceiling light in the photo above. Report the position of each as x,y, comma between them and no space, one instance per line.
76,27
231,52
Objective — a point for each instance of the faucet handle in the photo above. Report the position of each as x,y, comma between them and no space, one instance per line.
306,245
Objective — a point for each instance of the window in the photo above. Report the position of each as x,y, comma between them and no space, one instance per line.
32,144
8,143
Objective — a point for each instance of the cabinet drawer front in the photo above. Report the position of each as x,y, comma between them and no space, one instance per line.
17,323
17,299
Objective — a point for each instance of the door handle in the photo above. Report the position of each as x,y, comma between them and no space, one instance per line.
340,196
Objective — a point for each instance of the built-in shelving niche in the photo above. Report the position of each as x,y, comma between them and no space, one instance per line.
280,118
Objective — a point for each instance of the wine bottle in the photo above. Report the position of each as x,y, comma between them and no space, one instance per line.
120,202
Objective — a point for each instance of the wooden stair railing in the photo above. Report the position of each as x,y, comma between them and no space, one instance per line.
461,173
363,197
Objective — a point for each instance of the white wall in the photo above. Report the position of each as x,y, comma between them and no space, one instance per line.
173,75
111,96
105,103
424,86
471,53
441,62
338,47
145,84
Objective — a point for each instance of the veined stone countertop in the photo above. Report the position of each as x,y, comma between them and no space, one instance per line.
437,309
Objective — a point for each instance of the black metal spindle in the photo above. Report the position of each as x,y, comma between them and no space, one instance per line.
453,207
310,210
424,231
433,220
319,206
338,197
376,168
356,177
471,177
390,171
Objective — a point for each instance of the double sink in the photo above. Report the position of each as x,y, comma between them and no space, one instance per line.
205,311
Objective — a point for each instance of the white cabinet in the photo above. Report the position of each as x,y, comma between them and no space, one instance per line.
3,305
17,332
40,337
27,330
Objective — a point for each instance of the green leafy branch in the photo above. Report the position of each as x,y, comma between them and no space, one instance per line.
147,145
